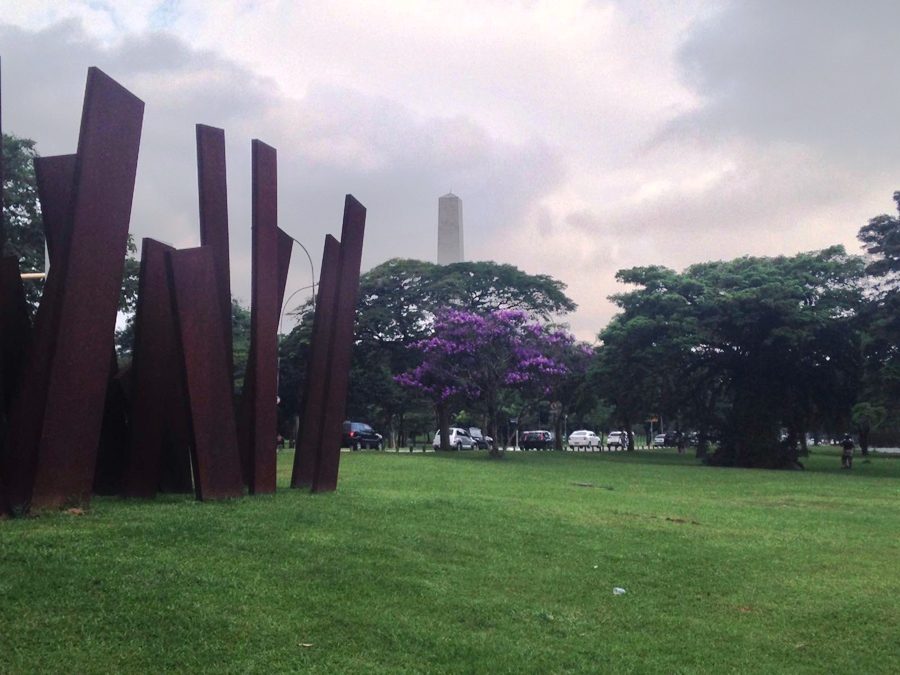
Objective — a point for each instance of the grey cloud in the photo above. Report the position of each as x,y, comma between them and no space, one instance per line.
330,142
819,72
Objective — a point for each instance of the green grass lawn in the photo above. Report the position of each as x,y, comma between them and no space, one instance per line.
458,563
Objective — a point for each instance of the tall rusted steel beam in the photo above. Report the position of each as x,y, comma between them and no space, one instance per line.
217,470
247,399
260,382
112,447
60,451
55,177
213,194
312,399
341,348
15,331
2,171
156,397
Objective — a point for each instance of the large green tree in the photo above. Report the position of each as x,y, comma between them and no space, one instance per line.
398,301
880,238
744,348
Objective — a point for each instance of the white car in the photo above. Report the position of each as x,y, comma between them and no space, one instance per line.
659,441
459,439
584,439
617,439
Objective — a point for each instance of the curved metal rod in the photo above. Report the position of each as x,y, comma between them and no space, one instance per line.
284,306
312,269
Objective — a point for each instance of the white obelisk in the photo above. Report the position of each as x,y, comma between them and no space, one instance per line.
450,230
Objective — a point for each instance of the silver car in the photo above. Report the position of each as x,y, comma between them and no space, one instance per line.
459,440
584,439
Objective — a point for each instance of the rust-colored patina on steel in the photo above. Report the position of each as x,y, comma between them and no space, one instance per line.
91,282
2,171
157,398
55,177
258,426
213,198
312,399
15,331
113,445
341,347
217,470
65,408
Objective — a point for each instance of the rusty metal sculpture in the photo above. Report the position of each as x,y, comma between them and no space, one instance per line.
313,396
260,392
216,463
182,421
340,348
157,401
58,448
213,194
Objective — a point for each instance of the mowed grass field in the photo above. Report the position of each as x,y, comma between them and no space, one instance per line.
459,563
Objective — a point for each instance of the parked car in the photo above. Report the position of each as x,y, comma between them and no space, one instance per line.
459,439
483,442
536,440
358,435
584,439
659,441
616,439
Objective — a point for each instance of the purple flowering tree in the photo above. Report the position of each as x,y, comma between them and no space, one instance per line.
473,358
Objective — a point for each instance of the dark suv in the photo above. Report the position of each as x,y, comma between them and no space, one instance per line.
358,435
536,440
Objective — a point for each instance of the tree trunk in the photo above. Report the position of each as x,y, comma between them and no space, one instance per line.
702,445
627,421
864,441
557,432
444,422
495,450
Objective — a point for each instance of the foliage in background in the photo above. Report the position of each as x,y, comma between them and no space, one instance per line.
472,359
24,230
742,348
398,301
881,318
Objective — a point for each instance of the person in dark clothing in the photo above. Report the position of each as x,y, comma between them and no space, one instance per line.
847,452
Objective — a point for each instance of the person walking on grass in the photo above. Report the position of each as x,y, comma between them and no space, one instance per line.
847,452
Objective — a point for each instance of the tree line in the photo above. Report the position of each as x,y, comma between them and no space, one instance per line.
753,355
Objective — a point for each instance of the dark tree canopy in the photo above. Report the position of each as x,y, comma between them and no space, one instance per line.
23,227
881,319
881,240
744,347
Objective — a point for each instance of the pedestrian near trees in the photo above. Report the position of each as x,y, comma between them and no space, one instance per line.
847,452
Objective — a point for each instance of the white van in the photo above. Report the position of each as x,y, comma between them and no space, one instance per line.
459,440
617,440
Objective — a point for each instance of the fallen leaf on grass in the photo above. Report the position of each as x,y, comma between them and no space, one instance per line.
746,609
75,512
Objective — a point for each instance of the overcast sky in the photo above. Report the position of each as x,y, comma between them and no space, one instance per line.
582,136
